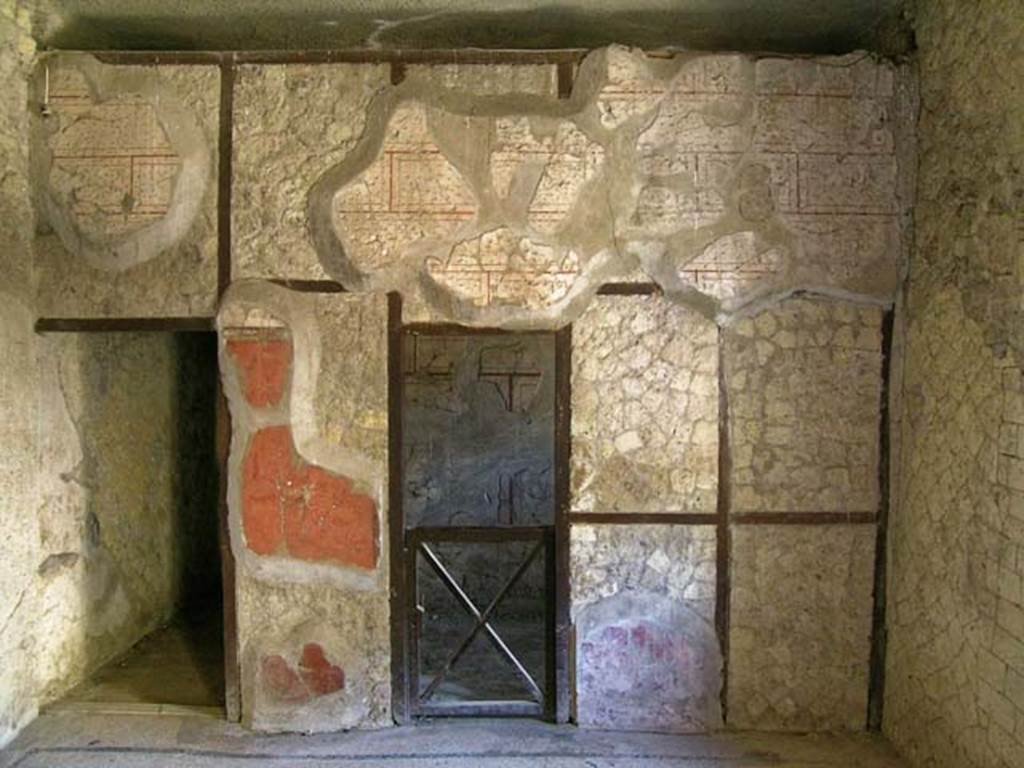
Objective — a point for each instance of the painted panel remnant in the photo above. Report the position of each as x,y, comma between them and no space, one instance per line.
294,509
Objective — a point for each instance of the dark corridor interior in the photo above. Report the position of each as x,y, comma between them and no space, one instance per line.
158,407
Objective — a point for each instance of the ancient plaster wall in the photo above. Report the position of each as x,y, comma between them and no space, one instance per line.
19,383
129,488
955,670
125,163
643,603
730,181
488,200
307,505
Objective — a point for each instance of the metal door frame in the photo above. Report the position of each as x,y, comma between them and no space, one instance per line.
402,555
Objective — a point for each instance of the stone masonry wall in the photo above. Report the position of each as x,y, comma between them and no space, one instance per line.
731,182
955,669
803,384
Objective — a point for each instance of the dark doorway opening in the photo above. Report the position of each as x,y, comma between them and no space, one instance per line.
475,525
149,441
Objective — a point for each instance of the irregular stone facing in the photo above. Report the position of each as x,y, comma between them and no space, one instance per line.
725,177
293,509
290,121
126,180
800,626
803,382
647,656
677,561
954,671
645,407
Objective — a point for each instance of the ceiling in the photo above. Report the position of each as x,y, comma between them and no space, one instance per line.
805,26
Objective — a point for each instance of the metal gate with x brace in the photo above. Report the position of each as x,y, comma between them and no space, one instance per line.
538,699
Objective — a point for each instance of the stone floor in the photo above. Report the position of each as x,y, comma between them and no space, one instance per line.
180,665
90,740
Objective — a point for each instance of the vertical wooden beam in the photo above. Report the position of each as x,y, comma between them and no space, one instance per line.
401,702
224,170
879,629
397,72
563,457
232,673
564,73
722,541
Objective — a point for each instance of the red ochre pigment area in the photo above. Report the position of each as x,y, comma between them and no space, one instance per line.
265,364
315,676
293,509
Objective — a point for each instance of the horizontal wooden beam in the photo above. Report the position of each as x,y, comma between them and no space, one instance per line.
629,289
642,518
123,324
350,56
803,518
310,286
454,329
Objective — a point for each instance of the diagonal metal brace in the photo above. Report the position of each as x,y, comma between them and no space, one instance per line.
481,622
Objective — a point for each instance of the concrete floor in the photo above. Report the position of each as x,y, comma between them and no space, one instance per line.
87,740
177,666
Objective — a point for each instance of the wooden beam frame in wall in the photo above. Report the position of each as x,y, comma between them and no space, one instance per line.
403,648
566,61
879,630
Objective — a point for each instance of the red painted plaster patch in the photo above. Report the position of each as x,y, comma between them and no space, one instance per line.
292,508
316,676
265,365
319,675
281,681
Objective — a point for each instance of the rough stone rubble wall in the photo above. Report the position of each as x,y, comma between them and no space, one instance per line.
731,181
955,670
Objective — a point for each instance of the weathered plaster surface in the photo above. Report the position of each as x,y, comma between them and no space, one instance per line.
804,382
124,496
955,669
313,608
645,407
289,123
647,656
125,171
488,200
19,383
800,626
